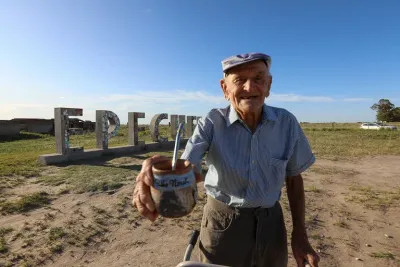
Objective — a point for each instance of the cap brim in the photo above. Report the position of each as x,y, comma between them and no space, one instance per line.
267,61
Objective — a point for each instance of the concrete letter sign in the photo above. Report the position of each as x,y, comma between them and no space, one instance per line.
105,130
154,132
134,129
174,125
61,127
182,118
107,126
190,125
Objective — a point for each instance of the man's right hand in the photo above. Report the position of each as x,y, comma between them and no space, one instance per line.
142,199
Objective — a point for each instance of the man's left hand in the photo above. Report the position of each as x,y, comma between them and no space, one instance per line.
302,250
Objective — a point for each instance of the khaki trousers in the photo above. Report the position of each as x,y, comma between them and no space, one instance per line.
243,237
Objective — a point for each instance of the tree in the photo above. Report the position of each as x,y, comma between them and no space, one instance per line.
385,110
396,114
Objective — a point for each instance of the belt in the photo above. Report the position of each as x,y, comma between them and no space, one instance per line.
219,205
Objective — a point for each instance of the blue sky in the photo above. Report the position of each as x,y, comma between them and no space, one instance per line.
331,60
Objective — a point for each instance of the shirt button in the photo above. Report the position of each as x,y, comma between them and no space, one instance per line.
254,162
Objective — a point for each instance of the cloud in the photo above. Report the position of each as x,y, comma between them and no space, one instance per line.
179,96
188,102
161,97
25,110
359,99
298,98
11,107
150,101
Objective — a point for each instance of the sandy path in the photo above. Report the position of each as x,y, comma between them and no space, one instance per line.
103,230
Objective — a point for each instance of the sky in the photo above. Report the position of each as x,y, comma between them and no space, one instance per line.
331,60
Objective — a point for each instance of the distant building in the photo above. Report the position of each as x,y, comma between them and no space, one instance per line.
9,128
43,126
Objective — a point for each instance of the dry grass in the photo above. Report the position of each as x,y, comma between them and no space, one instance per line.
374,198
18,157
313,189
350,143
330,170
341,223
25,203
385,255
88,178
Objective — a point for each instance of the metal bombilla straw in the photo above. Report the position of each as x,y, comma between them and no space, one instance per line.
177,144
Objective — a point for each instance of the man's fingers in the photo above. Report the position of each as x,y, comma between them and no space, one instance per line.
309,260
313,259
146,174
148,163
135,197
142,195
152,216
145,196
143,201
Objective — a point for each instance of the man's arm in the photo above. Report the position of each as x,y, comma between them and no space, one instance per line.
295,193
301,159
198,144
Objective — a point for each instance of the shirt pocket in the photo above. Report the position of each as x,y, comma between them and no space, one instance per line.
277,173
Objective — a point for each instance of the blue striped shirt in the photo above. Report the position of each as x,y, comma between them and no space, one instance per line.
248,169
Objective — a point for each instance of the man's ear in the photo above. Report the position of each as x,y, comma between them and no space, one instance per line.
222,83
268,86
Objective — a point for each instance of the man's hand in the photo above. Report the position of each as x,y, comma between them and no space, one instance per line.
302,250
142,199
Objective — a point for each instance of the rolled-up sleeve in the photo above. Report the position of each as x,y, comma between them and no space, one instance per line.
199,143
302,157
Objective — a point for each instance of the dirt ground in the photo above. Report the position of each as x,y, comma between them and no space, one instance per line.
352,216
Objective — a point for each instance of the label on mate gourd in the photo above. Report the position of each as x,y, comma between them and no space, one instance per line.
172,182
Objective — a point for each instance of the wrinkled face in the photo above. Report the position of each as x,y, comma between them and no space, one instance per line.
246,87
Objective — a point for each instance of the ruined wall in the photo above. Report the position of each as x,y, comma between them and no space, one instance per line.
9,127
42,126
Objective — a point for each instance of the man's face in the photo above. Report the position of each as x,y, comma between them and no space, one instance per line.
247,86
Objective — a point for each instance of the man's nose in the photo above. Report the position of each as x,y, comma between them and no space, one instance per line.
249,85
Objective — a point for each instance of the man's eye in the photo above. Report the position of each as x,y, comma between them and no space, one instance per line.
259,79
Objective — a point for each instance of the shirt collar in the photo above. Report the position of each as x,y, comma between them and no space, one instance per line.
268,114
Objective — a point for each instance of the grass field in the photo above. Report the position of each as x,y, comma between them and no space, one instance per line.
47,211
332,141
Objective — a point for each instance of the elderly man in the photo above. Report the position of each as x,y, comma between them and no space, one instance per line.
252,150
